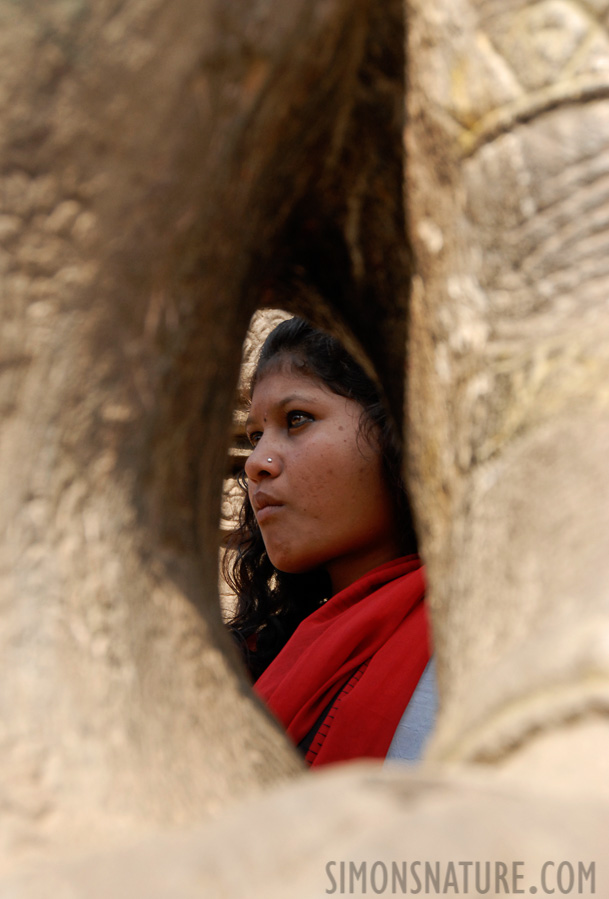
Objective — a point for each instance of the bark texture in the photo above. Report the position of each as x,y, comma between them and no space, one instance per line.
374,823
164,167
508,193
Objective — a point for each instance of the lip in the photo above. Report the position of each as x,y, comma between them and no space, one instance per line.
264,504
267,513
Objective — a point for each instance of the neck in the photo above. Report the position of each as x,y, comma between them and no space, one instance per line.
345,572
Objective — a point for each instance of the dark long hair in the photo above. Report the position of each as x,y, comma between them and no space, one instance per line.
270,603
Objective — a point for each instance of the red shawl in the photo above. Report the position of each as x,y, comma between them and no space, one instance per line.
370,644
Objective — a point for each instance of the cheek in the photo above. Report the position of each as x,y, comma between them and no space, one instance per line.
334,489
306,471
364,482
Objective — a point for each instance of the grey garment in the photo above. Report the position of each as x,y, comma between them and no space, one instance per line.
418,720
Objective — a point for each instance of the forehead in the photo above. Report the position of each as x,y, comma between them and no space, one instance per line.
276,386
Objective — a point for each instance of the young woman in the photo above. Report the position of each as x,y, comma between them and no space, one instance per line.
330,615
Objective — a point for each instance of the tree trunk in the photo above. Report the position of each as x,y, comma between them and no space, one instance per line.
166,165
508,167
161,164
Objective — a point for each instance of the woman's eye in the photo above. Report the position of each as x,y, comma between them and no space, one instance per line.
254,437
298,418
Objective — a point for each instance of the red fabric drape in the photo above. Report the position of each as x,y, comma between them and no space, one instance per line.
380,620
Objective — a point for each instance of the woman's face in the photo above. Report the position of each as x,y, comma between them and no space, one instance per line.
316,483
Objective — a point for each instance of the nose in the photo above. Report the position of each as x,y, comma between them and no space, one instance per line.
262,462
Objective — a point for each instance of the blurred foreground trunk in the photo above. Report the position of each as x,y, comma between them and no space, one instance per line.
164,166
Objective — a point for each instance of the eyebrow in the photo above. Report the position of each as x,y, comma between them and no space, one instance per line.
291,398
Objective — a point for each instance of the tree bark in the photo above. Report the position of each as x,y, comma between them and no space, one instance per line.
508,165
159,164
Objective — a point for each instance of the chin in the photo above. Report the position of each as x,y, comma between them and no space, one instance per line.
291,569
294,566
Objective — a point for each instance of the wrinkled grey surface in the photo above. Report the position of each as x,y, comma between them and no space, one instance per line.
164,168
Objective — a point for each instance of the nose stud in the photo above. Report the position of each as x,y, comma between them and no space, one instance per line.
269,460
